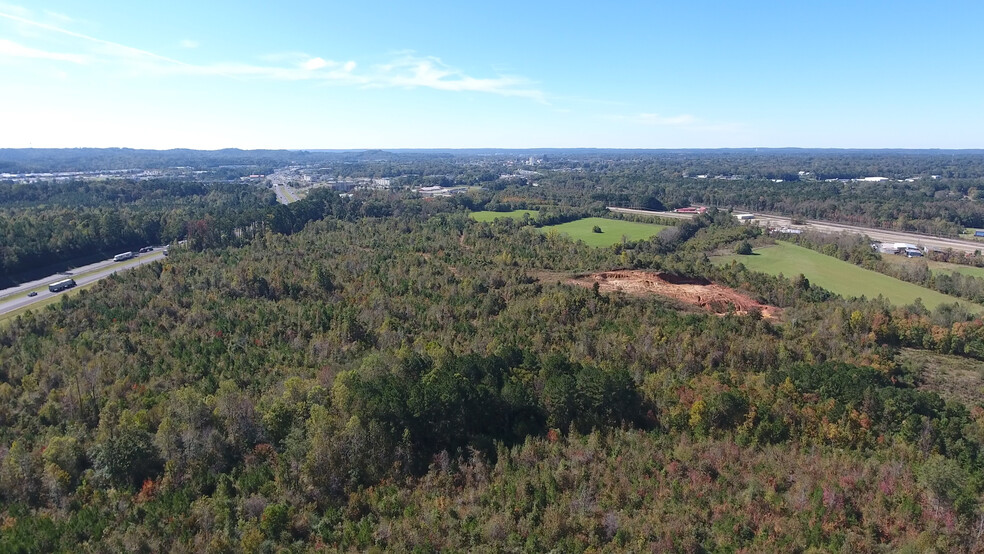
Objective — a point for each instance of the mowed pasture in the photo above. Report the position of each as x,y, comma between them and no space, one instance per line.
840,277
492,216
936,267
612,230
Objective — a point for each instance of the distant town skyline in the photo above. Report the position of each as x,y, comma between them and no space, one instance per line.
368,75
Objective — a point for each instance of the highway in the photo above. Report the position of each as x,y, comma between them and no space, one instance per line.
15,298
882,235
280,180
284,194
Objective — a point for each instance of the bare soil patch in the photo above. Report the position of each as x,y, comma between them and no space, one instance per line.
695,291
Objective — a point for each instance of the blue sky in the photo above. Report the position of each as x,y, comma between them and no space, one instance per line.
701,74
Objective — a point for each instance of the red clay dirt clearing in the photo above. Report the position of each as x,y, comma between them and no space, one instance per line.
698,292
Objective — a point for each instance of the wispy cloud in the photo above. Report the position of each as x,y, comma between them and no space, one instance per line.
314,63
58,16
189,44
106,47
11,49
14,9
405,70
430,72
314,69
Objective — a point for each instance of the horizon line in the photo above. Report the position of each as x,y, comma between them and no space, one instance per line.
499,148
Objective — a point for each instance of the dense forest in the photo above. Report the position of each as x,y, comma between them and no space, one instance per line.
47,223
382,372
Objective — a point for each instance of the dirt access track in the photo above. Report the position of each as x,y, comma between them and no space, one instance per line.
695,291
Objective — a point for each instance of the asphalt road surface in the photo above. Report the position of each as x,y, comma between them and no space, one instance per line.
284,194
15,298
882,235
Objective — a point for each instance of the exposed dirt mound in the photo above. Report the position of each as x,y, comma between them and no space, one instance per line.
691,290
681,279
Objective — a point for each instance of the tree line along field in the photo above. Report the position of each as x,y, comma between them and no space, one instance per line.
839,277
937,267
825,271
492,216
612,230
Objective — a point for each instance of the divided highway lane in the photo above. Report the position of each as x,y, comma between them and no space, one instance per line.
24,288
826,227
284,194
16,298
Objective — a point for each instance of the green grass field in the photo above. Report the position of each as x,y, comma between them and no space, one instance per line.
611,233
937,267
968,270
839,277
492,216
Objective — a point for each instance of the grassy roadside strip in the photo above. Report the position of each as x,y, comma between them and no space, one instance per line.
76,276
6,318
289,194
